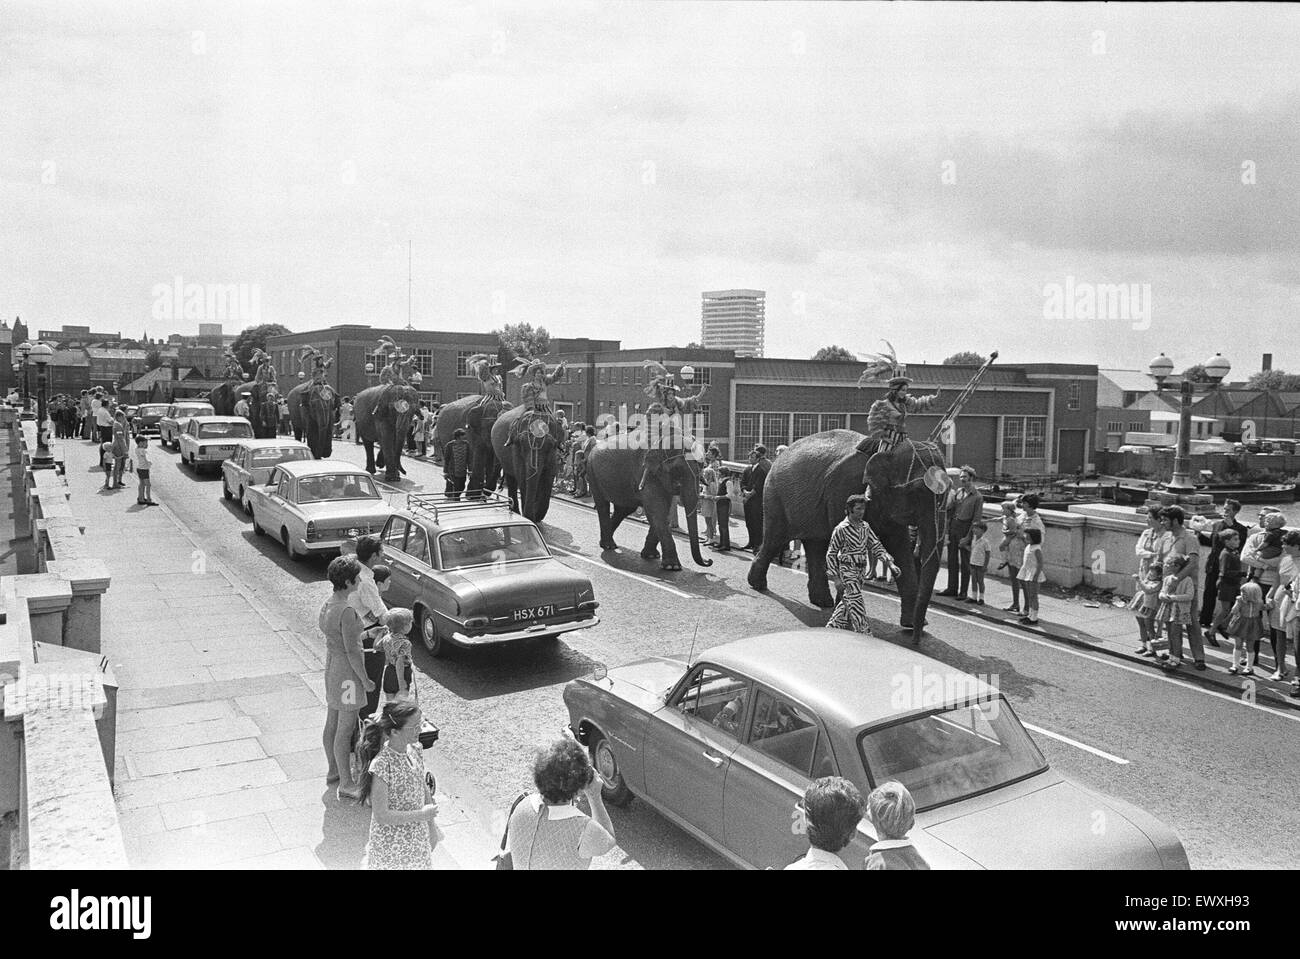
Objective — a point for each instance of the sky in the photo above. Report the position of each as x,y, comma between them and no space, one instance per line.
922,173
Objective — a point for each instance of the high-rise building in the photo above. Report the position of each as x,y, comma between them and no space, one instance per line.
734,320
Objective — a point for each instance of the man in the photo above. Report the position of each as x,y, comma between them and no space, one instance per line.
752,482
887,418
345,418
1180,541
831,810
967,506
455,463
853,544
242,408
85,419
104,421
1215,540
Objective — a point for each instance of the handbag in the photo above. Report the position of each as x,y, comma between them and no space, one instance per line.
503,859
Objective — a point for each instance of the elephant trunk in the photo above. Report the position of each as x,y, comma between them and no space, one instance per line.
692,530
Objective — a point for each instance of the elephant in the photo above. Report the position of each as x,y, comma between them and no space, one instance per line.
313,408
382,414
804,499
224,397
529,465
614,474
477,415
264,410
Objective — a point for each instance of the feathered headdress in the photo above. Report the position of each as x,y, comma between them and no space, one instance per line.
478,365
881,367
658,379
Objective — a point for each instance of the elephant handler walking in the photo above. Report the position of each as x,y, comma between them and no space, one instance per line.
852,545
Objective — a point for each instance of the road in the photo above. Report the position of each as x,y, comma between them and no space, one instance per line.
1221,772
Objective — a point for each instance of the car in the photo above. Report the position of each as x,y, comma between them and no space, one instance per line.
147,416
208,440
251,464
317,506
172,425
476,574
726,745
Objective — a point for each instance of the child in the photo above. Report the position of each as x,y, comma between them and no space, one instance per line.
1007,549
1229,584
1031,574
979,559
106,461
1144,604
1245,626
144,495
395,644
1271,549
1175,610
893,811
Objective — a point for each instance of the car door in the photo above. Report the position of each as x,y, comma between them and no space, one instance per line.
394,538
784,748
274,500
688,749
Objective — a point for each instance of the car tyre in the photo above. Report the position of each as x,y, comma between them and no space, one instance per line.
429,634
288,546
615,789
257,530
225,488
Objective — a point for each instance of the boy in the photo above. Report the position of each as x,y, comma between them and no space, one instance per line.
832,809
1229,581
106,460
455,463
979,559
892,813
144,494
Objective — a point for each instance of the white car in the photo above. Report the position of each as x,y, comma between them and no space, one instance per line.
207,440
251,464
317,506
171,426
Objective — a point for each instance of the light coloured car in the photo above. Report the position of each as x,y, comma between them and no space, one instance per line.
207,440
172,425
148,416
476,574
725,746
251,464
317,506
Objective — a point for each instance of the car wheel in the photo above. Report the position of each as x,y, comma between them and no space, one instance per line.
288,545
429,634
257,530
606,763
225,488
248,507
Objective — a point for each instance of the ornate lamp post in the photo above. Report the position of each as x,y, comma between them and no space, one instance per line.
23,349
1216,368
41,354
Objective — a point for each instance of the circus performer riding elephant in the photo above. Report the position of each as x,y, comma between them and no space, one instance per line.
314,405
623,476
264,399
804,499
383,416
225,395
529,461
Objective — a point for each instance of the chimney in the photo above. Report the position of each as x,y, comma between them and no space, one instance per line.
1268,362
176,372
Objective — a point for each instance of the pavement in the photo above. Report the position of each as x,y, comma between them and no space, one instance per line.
220,709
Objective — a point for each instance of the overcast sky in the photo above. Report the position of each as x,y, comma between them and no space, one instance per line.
917,172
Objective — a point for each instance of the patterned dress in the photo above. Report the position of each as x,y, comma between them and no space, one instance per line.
408,845
851,547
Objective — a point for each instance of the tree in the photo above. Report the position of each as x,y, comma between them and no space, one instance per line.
1274,380
254,338
965,358
523,340
692,345
152,360
834,354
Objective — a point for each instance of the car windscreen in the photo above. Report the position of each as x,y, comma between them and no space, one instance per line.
273,456
463,548
194,411
152,411
217,431
951,754
336,486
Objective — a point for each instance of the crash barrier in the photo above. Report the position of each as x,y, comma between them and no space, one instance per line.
59,695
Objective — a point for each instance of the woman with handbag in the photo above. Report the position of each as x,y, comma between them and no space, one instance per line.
346,682
394,782
547,830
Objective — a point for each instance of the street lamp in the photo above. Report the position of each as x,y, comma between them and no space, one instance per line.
23,349
41,354
1216,368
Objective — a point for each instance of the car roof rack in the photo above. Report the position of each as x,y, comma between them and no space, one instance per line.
433,505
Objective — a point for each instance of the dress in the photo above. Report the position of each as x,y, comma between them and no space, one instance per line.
851,548
1177,610
1285,614
406,845
342,629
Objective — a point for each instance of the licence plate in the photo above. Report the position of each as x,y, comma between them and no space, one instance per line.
533,612
220,450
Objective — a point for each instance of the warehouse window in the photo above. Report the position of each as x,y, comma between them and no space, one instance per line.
834,421
805,424
627,376
601,372
1035,436
1024,437
703,376
1135,427
424,362
1072,396
746,430
776,430
702,420
1115,426
378,359
637,376
462,367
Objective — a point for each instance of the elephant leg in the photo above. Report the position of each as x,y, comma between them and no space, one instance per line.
370,456
895,538
606,524
651,548
927,538
819,592
775,537
620,513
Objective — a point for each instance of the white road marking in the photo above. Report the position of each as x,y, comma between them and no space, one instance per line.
622,572
1075,743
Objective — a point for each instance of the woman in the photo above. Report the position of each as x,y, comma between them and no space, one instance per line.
398,789
710,480
121,446
547,830
346,683
1283,610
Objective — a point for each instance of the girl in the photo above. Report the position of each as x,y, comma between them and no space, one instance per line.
1175,610
1281,603
1267,578
106,461
1144,604
709,498
1031,574
1245,626
395,644
144,495
397,788
1011,548
979,558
